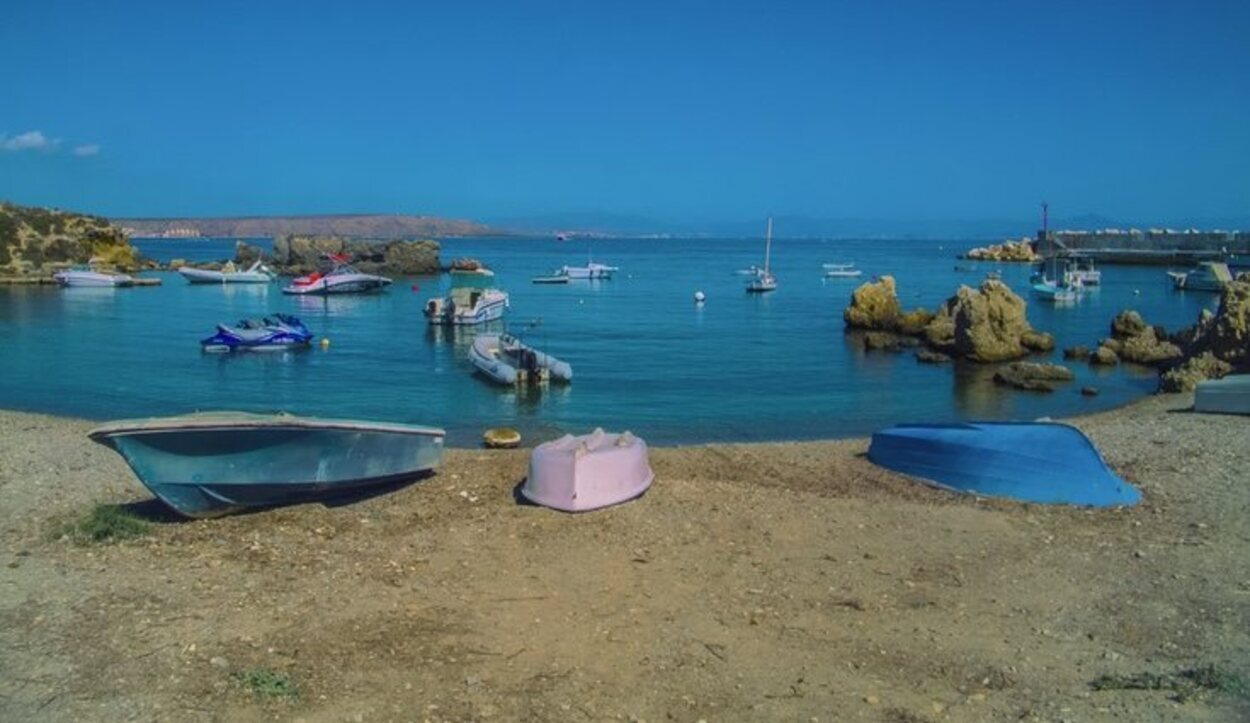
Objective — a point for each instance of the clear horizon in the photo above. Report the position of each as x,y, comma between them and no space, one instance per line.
690,114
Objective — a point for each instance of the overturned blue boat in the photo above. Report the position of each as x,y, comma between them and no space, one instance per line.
209,464
1031,461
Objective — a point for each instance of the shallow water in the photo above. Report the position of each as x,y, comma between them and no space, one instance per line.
645,357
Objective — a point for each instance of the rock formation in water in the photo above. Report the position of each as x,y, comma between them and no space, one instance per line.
1133,340
1217,345
1033,377
983,325
1021,250
35,242
305,254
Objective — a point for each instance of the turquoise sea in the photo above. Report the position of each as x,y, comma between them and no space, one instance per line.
646,358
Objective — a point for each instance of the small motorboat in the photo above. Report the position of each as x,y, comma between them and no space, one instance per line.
257,273
210,464
505,359
591,270
473,300
1082,272
842,271
91,276
277,333
341,279
577,474
1230,395
1208,276
1058,293
1031,461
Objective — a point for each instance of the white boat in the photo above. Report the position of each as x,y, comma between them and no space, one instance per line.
764,281
1082,271
473,300
591,270
842,271
341,279
505,359
751,270
257,273
1050,291
88,276
1208,276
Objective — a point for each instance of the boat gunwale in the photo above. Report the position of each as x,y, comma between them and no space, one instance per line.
175,425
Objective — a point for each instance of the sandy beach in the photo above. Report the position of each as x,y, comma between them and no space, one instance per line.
753,582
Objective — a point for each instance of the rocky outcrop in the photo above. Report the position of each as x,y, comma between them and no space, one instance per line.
989,323
1033,377
304,254
1077,353
1037,341
1217,345
1185,377
928,356
39,241
1021,250
874,307
1133,340
1104,356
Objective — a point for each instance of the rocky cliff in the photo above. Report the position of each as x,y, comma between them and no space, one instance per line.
305,254
37,241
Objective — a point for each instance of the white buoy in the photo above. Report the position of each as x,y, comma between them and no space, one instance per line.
699,297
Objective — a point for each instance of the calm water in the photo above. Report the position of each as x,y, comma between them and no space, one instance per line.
645,357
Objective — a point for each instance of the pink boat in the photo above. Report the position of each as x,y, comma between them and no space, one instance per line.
576,474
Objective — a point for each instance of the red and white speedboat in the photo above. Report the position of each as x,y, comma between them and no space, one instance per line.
341,279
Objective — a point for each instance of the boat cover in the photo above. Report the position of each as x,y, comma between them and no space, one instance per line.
1031,461
1230,395
576,474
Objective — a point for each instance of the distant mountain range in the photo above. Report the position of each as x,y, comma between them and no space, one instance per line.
374,225
593,224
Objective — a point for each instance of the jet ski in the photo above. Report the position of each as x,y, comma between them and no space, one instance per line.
272,333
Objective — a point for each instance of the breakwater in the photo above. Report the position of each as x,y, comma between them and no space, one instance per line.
1152,246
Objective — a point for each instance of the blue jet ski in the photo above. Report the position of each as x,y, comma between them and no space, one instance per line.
272,333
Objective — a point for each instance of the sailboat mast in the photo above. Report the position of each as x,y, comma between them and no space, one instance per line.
768,242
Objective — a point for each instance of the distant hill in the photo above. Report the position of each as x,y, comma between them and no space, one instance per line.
35,241
373,226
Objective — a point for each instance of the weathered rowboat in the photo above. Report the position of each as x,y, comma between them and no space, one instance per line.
576,474
209,464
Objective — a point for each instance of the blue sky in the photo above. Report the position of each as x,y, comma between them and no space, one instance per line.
691,111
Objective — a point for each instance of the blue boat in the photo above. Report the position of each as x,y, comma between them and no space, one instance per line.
1230,395
210,464
1031,461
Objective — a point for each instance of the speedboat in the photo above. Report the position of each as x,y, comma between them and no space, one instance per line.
257,273
89,276
341,279
473,299
505,359
210,464
577,474
842,271
277,333
1208,276
591,270
1031,461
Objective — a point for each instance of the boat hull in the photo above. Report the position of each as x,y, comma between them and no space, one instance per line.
345,284
207,276
1230,395
1033,462
92,279
214,464
579,474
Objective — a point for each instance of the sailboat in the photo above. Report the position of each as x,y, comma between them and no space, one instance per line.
764,280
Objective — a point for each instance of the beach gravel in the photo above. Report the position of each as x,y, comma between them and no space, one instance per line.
787,581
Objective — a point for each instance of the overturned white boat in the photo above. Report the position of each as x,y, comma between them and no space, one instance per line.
505,359
257,273
576,474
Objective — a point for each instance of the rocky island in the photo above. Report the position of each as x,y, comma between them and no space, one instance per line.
299,255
